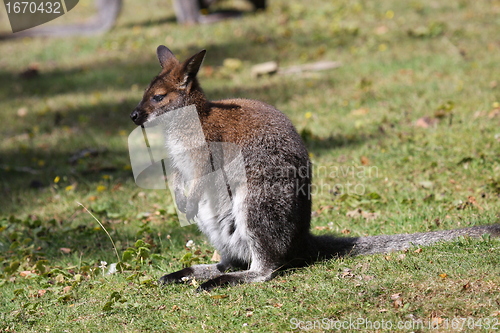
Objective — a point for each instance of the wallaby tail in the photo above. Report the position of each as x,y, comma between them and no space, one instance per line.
328,246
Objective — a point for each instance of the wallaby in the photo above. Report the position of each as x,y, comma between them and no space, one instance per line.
268,227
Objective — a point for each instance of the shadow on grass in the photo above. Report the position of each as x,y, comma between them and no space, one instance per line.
31,166
319,146
61,241
102,143
150,23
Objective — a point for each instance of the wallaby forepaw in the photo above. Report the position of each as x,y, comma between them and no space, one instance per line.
176,277
180,201
191,210
169,279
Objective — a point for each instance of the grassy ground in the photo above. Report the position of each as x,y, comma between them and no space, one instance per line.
405,132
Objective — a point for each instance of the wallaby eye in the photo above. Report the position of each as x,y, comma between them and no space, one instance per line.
158,98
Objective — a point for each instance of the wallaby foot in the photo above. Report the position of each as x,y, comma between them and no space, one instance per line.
234,278
215,276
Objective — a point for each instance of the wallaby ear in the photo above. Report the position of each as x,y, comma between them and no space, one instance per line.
165,56
191,67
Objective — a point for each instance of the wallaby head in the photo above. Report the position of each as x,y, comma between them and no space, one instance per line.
176,86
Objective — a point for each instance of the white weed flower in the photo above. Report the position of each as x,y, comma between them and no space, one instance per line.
112,269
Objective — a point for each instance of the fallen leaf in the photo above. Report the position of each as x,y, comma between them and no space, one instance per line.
398,303
443,275
60,278
25,273
67,289
270,67
21,112
347,272
364,160
117,187
321,228
360,112
426,122
65,250
419,250
219,296
436,321
215,257
395,296
426,184
398,300
494,113
356,213
479,114
312,67
323,209
381,30
473,201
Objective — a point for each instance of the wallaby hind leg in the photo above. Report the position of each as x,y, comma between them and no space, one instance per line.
260,270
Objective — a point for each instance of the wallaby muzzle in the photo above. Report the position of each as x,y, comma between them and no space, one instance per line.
137,117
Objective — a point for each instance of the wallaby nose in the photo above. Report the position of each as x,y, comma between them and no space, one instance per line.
134,115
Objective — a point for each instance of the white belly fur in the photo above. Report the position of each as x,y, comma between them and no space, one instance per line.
216,220
217,227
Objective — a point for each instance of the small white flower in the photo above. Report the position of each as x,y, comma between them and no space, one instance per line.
103,264
185,278
190,243
112,269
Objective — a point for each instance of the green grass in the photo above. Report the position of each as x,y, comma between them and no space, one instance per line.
402,61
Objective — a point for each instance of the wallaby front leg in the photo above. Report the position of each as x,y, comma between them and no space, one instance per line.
200,272
187,204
